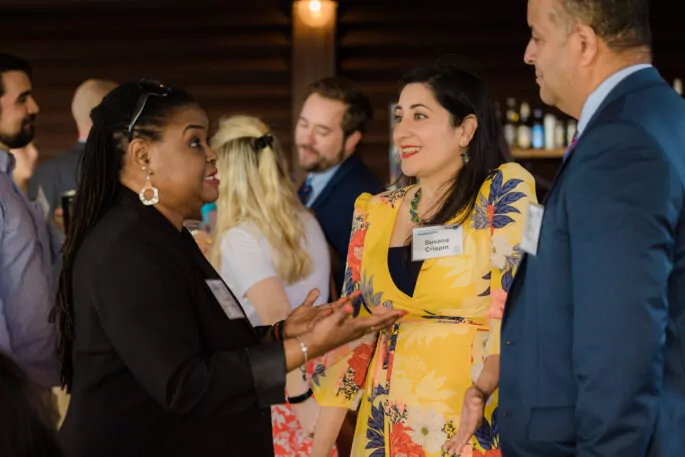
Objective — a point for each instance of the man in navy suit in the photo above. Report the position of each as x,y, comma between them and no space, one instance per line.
333,119
593,339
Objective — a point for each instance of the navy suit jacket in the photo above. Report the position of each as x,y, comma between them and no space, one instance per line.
334,208
593,338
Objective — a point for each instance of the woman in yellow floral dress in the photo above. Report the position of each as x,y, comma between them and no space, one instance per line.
409,383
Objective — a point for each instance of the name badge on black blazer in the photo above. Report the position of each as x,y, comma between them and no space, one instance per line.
225,299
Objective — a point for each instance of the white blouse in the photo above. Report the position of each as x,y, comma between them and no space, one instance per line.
246,260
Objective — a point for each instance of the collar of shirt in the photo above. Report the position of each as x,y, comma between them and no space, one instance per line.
596,98
7,162
318,181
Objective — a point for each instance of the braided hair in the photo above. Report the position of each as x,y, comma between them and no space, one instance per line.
98,185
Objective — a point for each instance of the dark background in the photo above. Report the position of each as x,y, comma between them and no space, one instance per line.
234,56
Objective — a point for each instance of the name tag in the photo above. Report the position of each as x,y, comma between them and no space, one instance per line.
437,241
531,229
225,299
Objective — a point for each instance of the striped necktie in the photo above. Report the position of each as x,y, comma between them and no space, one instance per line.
571,146
305,191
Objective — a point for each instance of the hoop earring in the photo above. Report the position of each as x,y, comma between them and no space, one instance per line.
465,157
149,187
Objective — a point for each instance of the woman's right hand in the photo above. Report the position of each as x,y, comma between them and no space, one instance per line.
337,329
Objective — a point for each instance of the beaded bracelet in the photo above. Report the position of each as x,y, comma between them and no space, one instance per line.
277,331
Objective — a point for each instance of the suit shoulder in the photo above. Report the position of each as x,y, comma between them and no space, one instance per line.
50,168
366,175
44,171
621,135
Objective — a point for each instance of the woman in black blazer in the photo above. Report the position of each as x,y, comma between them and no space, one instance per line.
156,351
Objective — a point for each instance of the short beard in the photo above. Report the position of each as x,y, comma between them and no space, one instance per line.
18,140
323,164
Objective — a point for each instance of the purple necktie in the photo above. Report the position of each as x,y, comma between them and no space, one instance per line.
574,140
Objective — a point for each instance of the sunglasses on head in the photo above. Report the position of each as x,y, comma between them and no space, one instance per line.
149,88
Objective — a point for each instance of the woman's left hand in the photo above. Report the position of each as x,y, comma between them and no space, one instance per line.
303,318
471,418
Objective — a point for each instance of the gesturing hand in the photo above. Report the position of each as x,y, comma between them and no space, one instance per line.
471,419
337,329
303,318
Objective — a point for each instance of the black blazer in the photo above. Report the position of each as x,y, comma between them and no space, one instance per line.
334,208
159,369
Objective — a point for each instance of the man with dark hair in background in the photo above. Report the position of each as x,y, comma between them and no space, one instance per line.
593,349
26,253
333,119
332,122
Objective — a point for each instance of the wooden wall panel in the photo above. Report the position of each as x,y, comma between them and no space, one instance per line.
234,57
379,40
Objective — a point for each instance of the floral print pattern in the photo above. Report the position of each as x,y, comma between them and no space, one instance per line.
290,438
407,392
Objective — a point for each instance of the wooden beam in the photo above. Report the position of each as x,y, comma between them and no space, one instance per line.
313,53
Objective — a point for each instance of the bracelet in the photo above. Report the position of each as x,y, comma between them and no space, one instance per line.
305,350
300,398
277,331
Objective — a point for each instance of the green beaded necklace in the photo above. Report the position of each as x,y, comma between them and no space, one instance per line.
414,205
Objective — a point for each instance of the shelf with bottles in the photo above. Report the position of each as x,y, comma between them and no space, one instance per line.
534,134
531,154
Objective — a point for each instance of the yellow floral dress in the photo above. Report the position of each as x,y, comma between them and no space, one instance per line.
408,382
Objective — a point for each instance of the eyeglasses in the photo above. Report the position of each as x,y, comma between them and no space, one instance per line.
150,88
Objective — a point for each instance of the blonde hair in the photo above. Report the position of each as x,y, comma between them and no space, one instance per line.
255,188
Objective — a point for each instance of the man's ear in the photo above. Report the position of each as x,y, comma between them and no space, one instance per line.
588,44
351,142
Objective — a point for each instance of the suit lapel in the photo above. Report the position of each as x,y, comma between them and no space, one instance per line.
638,80
346,167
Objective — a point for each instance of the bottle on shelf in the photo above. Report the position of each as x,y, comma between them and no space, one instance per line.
511,123
524,131
538,130
560,135
678,86
550,126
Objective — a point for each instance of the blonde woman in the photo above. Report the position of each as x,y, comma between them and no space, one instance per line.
271,251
